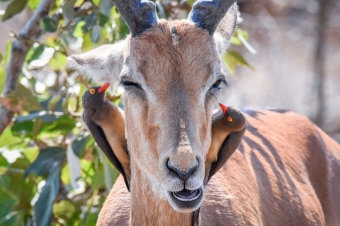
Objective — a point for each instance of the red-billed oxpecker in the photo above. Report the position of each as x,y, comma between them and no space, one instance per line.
227,130
106,123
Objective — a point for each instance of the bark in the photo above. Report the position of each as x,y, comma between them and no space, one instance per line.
20,48
319,62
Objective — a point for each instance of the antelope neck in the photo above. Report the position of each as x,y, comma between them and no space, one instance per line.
147,208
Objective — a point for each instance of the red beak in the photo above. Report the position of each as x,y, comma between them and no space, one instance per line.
103,87
224,108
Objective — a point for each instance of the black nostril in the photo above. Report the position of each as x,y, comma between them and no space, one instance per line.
181,174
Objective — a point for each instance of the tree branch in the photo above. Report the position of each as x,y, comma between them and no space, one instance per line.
319,64
20,48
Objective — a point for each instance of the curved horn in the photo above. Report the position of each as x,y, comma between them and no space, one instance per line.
139,15
207,14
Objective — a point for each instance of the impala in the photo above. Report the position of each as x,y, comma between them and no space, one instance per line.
286,171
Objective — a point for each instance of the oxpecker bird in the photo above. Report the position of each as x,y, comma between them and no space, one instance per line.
106,123
228,127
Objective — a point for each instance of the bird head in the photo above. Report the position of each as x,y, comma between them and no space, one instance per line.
234,119
93,97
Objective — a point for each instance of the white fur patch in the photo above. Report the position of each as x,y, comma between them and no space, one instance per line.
102,64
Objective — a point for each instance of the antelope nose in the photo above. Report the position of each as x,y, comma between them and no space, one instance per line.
182,174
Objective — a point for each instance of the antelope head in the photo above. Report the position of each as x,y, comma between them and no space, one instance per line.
171,72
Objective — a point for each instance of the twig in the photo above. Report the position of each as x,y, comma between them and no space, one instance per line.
78,13
20,48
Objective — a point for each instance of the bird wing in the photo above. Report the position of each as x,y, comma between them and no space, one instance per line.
228,147
99,136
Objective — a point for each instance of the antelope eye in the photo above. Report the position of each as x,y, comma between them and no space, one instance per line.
128,84
217,84
92,91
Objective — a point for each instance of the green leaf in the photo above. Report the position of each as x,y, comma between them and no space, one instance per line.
65,174
34,53
43,214
43,115
16,193
232,59
1,57
23,97
65,104
79,143
98,179
240,32
8,51
87,42
88,171
102,19
123,28
7,138
7,202
15,7
90,21
105,7
53,102
235,41
78,33
96,33
47,162
238,58
110,172
229,63
68,9
58,62
36,128
33,4
44,103
63,125
31,153
22,128
3,161
191,2
48,24
65,209
240,37
96,2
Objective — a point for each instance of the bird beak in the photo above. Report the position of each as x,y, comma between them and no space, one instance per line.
224,108
103,87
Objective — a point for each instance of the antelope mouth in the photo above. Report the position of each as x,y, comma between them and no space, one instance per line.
187,195
186,201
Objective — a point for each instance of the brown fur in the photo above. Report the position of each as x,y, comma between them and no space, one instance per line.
285,172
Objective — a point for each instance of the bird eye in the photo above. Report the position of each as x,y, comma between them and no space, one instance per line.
92,91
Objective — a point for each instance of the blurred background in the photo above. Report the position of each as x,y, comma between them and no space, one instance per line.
284,54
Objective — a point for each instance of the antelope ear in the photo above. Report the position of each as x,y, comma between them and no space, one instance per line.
102,64
227,131
226,28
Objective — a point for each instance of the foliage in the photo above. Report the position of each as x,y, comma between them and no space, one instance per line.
50,166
